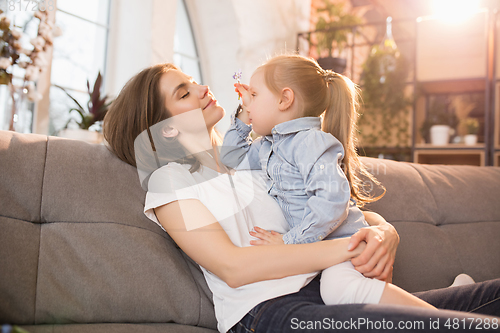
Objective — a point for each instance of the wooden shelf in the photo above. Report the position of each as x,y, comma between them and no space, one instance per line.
453,86
449,156
455,146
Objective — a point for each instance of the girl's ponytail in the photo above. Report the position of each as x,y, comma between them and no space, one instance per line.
340,120
318,90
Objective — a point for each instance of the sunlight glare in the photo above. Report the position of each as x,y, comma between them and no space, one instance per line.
454,11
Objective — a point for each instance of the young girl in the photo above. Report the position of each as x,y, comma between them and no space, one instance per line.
309,165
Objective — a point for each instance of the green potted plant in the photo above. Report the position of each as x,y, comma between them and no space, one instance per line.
92,116
384,118
330,40
472,126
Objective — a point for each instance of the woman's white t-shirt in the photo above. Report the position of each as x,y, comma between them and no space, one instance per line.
238,202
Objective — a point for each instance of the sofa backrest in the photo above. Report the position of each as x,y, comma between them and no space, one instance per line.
75,246
448,219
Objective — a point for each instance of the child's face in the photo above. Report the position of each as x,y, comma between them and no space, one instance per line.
263,108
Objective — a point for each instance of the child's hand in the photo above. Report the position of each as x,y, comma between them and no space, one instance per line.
242,89
266,237
358,250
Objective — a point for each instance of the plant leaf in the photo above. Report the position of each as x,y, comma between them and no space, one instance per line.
82,114
95,96
96,93
74,100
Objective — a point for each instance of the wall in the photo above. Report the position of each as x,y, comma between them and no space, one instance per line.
141,34
230,35
235,34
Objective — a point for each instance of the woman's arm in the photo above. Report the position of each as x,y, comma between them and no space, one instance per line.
382,240
211,248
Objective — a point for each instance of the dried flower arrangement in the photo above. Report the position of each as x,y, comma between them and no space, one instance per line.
33,60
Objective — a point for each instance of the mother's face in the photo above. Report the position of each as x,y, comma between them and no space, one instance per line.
182,94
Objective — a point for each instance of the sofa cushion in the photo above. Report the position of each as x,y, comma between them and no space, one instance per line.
78,246
448,218
22,159
19,244
462,194
117,328
22,163
407,196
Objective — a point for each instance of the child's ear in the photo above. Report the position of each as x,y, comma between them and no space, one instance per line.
286,99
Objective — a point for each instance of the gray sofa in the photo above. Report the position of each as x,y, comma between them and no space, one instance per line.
78,255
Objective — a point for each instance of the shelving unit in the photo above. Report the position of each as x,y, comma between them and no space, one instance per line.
453,60
495,151
455,155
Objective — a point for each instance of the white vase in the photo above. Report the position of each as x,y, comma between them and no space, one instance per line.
440,135
470,139
82,135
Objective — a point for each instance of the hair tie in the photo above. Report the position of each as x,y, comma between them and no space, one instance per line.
329,75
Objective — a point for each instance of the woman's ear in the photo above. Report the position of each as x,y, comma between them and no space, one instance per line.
169,132
286,100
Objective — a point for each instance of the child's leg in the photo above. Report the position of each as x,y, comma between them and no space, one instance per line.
343,284
394,295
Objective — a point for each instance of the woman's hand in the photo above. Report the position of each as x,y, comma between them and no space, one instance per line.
266,237
377,260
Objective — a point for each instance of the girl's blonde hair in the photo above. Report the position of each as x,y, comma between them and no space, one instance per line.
332,95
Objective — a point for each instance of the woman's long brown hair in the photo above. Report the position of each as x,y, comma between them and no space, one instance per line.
139,106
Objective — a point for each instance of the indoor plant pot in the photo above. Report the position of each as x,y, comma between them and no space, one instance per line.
470,139
440,135
82,134
472,127
91,116
337,65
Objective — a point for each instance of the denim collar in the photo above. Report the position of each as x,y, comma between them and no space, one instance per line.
297,125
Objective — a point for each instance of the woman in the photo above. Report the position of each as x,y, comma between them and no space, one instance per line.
180,201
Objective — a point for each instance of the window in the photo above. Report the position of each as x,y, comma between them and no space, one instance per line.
185,52
79,55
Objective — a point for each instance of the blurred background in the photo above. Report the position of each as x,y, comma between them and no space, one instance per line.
428,69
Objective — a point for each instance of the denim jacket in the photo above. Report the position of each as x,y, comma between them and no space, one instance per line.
302,165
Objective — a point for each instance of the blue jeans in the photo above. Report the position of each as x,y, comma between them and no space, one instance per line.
304,311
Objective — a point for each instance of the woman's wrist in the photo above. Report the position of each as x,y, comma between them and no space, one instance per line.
374,219
342,245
